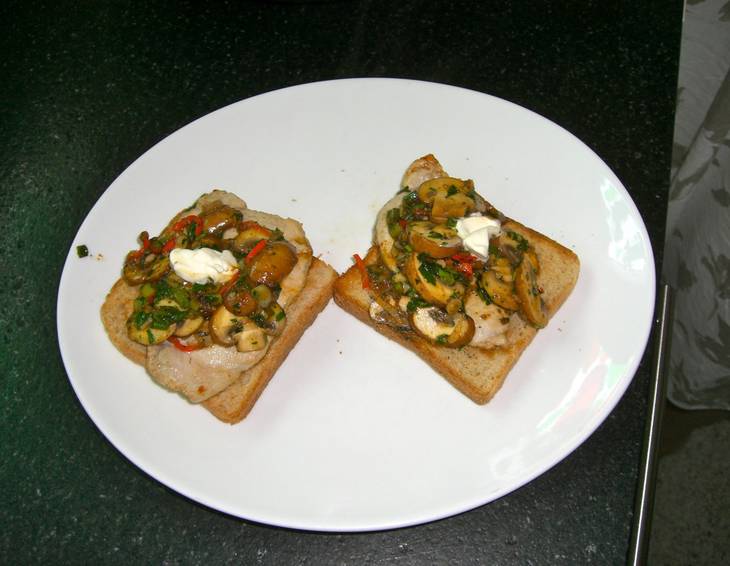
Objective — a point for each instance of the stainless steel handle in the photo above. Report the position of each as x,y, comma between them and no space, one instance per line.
644,501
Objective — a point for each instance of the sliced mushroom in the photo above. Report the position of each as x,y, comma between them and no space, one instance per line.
145,334
528,292
499,291
188,326
240,301
250,232
275,319
219,219
438,292
431,189
457,205
438,241
251,338
448,197
263,295
224,324
452,331
273,263
145,269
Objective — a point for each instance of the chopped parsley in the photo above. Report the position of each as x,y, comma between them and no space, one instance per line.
416,302
447,276
484,295
163,317
428,268
432,270
522,244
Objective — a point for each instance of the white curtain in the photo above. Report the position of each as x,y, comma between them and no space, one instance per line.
697,251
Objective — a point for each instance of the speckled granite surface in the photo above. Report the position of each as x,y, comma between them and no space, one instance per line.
89,87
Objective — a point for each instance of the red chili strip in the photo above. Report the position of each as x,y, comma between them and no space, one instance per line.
136,254
180,224
230,283
464,258
175,341
169,245
465,268
256,249
363,271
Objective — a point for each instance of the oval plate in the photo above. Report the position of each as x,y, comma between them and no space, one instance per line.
355,433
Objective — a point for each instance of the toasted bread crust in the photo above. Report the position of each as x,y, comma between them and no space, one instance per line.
476,372
115,311
233,403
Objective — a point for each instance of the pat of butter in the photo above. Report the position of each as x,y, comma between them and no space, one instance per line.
203,265
475,232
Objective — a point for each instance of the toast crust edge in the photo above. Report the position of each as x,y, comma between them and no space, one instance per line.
477,373
233,403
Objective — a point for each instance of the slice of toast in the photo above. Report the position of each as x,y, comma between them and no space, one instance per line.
476,372
233,403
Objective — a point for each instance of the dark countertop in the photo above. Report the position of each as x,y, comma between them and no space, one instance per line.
89,87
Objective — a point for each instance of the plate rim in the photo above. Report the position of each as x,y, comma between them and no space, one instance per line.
589,427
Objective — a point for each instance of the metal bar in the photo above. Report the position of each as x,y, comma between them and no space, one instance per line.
644,501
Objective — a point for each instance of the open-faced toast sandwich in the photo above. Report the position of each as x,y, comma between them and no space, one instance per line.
212,306
456,281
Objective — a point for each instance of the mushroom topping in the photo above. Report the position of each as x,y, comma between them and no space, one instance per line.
425,280
224,325
145,268
449,197
432,188
228,329
188,326
498,283
146,334
437,326
239,301
220,219
451,206
250,338
273,263
438,241
529,292
272,319
263,295
249,232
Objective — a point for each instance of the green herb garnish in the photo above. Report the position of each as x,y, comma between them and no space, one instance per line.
522,244
82,251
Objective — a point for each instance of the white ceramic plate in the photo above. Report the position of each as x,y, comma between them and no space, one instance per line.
355,433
